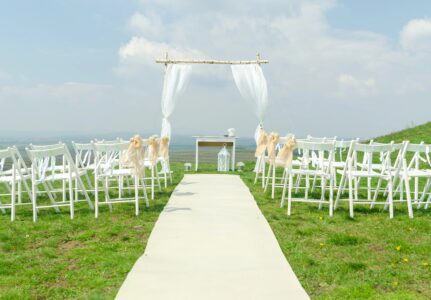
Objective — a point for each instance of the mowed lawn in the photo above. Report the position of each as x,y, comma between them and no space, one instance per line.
368,257
84,258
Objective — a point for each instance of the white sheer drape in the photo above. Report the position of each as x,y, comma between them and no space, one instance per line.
176,79
251,84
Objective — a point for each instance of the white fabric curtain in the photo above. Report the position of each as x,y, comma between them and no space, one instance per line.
251,84
175,82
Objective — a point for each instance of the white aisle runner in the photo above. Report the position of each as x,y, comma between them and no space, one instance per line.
212,242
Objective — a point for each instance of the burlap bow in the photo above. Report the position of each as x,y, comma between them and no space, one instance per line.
164,148
272,144
285,155
261,143
135,156
153,150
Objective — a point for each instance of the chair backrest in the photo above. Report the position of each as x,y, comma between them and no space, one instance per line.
116,141
42,161
341,146
20,160
320,154
108,156
377,152
7,161
45,147
321,139
84,154
421,155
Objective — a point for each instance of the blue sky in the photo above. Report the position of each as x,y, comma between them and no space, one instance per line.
335,66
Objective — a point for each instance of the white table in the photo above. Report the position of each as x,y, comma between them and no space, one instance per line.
215,141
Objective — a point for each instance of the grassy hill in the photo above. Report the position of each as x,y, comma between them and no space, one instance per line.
415,135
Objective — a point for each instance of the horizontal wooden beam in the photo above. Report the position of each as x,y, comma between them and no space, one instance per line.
211,62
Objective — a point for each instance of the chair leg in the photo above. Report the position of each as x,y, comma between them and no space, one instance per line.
64,190
331,196
369,188
273,182
13,198
350,196
289,197
136,195
340,190
267,179
152,183
144,189
120,186
322,197
257,170
409,197
106,189
33,200
428,202
19,192
376,193
96,196
424,193
283,195
71,200
390,199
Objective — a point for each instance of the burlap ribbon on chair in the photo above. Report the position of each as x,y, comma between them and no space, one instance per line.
153,150
285,155
271,146
164,148
261,143
135,156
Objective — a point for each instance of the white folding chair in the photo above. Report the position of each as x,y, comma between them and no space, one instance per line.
418,168
385,171
12,175
165,167
45,168
152,156
108,160
322,171
84,160
276,182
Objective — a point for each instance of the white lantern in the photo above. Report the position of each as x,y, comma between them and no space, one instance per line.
223,160
187,167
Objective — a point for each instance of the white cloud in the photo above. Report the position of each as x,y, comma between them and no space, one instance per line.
141,51
149,25
416,35
312,65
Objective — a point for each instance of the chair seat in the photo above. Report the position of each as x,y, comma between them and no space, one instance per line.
62,176
336,164
121,172
419,173
309,172
363,174
9,172
373,166
8,178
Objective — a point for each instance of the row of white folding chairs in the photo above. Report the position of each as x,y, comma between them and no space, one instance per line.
397,174
54,163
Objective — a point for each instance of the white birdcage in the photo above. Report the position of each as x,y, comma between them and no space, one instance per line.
223,160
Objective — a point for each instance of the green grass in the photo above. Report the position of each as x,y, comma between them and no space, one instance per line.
368,257
85,258
415,135
334,258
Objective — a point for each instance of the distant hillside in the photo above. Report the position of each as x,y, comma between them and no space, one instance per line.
415,135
